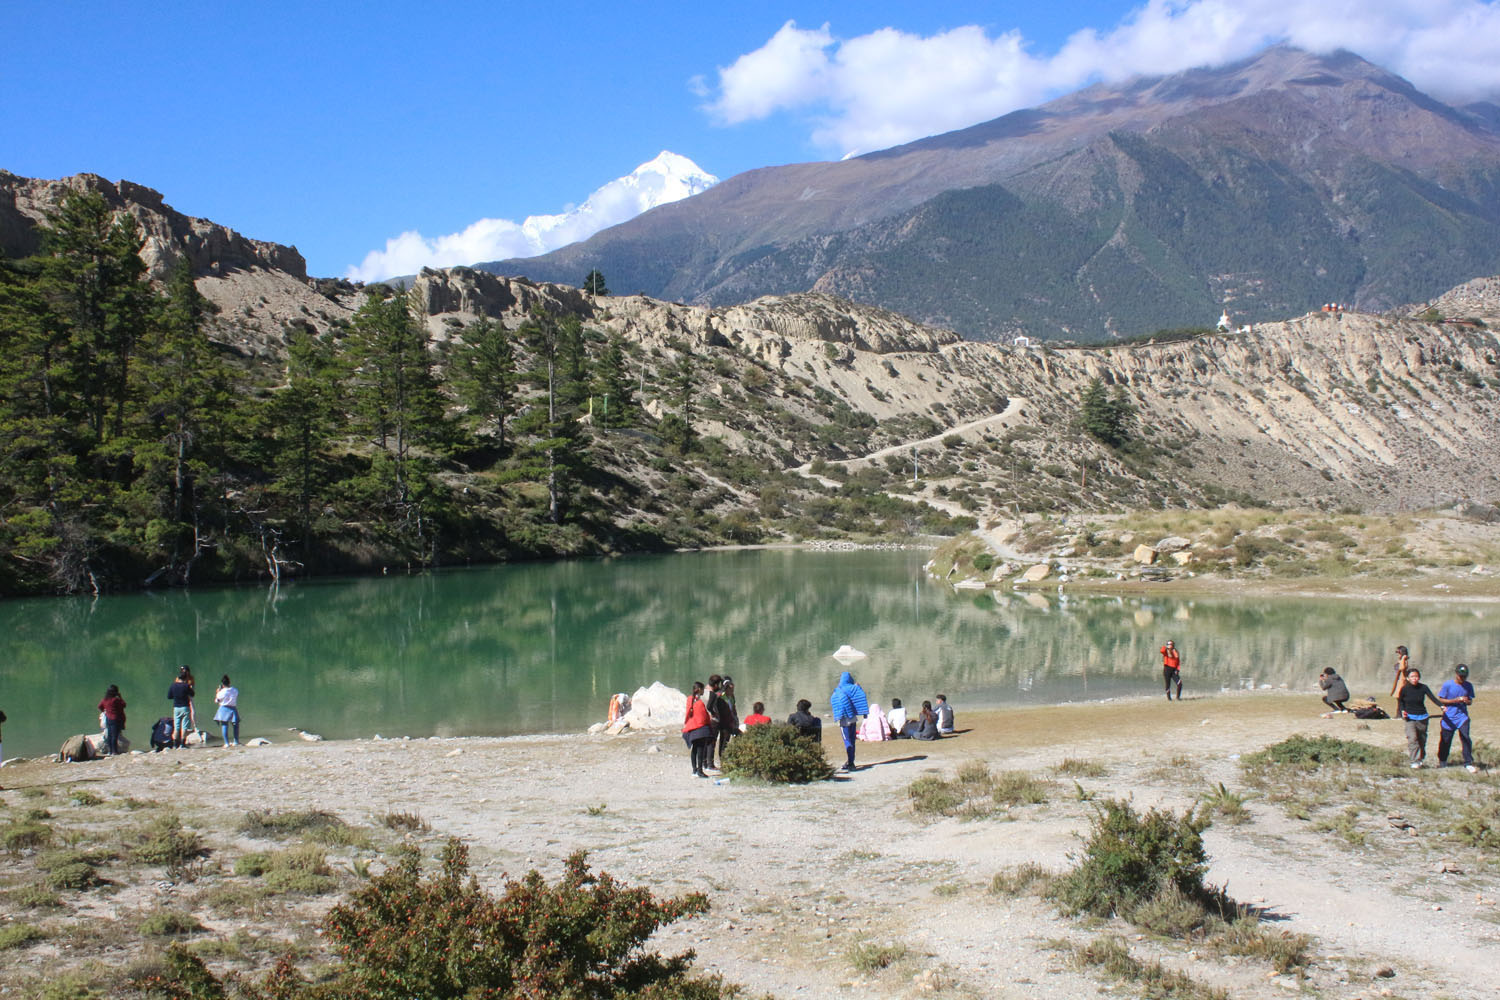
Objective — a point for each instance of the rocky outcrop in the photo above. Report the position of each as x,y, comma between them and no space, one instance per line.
171,236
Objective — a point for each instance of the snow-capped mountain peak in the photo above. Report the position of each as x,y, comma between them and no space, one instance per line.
667,178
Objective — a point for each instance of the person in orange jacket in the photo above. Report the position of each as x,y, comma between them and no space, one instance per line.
1171,669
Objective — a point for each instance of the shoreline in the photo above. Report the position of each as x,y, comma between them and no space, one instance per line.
787,889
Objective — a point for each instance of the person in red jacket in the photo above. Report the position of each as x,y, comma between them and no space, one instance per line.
698,730
757,716
113,707
1171,669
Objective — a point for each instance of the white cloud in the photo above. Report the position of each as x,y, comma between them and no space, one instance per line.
665,179
888,86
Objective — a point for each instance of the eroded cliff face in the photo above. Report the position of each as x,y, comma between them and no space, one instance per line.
1381,411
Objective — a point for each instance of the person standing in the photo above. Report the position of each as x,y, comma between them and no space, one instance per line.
1171,669
2,745
1403,664
711,697
697,730
1335,691
227,697
180,694
1460,695
726,716
847,704
113,707
1412,698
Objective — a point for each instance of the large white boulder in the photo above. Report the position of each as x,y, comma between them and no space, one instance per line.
656,707
1037,573
1144,554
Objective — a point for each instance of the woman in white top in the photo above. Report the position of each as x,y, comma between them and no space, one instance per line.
228,699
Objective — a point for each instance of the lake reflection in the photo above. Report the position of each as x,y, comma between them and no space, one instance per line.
539,648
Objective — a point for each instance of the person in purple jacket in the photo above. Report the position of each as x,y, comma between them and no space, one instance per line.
848,704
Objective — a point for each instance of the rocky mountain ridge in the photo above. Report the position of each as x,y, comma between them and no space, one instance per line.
1333,409
1276,184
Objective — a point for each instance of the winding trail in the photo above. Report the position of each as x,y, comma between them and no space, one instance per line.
1012,411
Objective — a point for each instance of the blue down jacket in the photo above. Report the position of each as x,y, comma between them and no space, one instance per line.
848,699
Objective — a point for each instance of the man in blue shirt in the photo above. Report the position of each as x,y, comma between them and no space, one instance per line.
1456,717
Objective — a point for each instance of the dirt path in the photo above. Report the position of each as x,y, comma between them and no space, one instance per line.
1011,412
799,876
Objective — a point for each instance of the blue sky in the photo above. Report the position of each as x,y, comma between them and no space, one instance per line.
338,126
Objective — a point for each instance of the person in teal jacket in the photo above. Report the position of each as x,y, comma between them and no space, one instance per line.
848,704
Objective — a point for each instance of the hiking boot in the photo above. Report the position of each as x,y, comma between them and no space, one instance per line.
1416,764
1471,769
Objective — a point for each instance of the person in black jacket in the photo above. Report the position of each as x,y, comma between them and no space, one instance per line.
1335,691
726,715
807,724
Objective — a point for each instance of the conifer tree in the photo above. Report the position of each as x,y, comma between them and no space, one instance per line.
615,385
487,374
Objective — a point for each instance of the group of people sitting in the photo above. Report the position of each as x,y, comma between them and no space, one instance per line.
711,720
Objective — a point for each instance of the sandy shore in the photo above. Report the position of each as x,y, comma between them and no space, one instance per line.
798,876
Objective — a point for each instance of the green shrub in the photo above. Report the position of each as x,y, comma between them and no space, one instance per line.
1013,788
169,923
583,936
73,876
869,957
983,562
255,864
1112,956
1249,937
931,795
25,834
84,797
1077,767
1170,914
163,841
300,870
1130,857
35,897
265,824
1309,753
1021,880
19,935
1478,826
777,753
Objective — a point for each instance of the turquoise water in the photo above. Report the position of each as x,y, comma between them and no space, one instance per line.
540,648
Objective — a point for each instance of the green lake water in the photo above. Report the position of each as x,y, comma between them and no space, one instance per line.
541,647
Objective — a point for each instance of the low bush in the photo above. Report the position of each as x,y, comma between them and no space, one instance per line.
984,562
163,841
169,923
265,823
19,935
1112,956
25,834
1130,858
869,957
1021,880
932,796
73,876
405,822
1478,826
1308,753
1012,788
301,870
583,936
84,797
1077,767
35,897
1250,938
777,753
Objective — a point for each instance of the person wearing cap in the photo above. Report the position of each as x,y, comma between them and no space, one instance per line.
1458,695
1171,669
1412,698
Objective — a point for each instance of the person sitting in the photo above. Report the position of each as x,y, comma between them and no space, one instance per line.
757,716
897,718
944,713
1335,691
161,734
926,724
807,724
876,728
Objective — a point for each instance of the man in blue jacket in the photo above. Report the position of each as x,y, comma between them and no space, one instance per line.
1456,717
848,704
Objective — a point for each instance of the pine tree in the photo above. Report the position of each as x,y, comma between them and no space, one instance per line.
593,283
487,374
303,417
396,397
615,385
